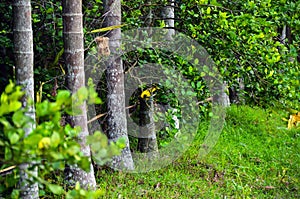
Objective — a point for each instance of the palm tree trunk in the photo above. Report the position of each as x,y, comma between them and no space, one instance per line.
116,117
23,50
74,59
168,14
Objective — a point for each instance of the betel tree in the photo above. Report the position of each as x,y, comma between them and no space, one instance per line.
116,117
23,51
168,15
74,60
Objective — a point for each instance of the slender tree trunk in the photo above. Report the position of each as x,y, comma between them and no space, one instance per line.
168,14
149,17
23,49
147,142
236,93
221,97
74,59
286,38
116,118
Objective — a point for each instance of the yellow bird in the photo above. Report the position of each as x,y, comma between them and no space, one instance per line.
148,92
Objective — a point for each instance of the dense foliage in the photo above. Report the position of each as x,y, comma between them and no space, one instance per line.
245,40
243,37
254,44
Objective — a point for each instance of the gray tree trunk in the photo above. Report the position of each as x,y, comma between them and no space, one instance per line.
286,39
147,142
23,50
168,15
116,117
149,17
236,94
74,59
221,97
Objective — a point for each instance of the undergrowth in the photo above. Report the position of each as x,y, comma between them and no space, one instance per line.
255,157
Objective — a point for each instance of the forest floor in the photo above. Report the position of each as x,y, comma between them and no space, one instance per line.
255,157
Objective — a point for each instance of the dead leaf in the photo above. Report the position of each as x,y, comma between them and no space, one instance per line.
157,185
269,187
294,120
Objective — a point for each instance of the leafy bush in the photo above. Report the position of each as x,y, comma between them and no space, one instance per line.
50,145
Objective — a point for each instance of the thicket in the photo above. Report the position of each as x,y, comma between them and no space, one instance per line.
245,40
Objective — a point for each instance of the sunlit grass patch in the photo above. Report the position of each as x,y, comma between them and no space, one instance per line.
255,157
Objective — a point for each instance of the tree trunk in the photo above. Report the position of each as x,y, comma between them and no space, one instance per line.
23,50
149,16
74,59
286,38
168,15
236,93
147,142
116,117
221,97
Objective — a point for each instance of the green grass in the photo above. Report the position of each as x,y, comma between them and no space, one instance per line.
255,157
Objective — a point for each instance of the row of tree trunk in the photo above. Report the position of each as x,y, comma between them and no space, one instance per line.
74,60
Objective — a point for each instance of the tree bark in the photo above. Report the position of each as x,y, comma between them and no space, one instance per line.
221,97
23,52
147,142
116,117
168,14
236,93
74,60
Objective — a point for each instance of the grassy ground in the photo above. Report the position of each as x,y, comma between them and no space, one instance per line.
256,157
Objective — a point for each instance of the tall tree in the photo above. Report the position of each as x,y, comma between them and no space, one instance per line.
23,50
221,97
147,142
116,118
168,14
74,59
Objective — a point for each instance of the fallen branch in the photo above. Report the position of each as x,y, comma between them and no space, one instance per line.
206,100
103,114
7,170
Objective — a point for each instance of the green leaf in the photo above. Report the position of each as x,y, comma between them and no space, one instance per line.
202,74
215,3
56,189
17,94
208,10
15,194
7,153
5,123
56,156
9,88
199,84
4,98
58,56
19,118
73,150
196,61
54,107
121,143
13,138
42,109
85,163
32,139
55,139
82,94
14,106
63,97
